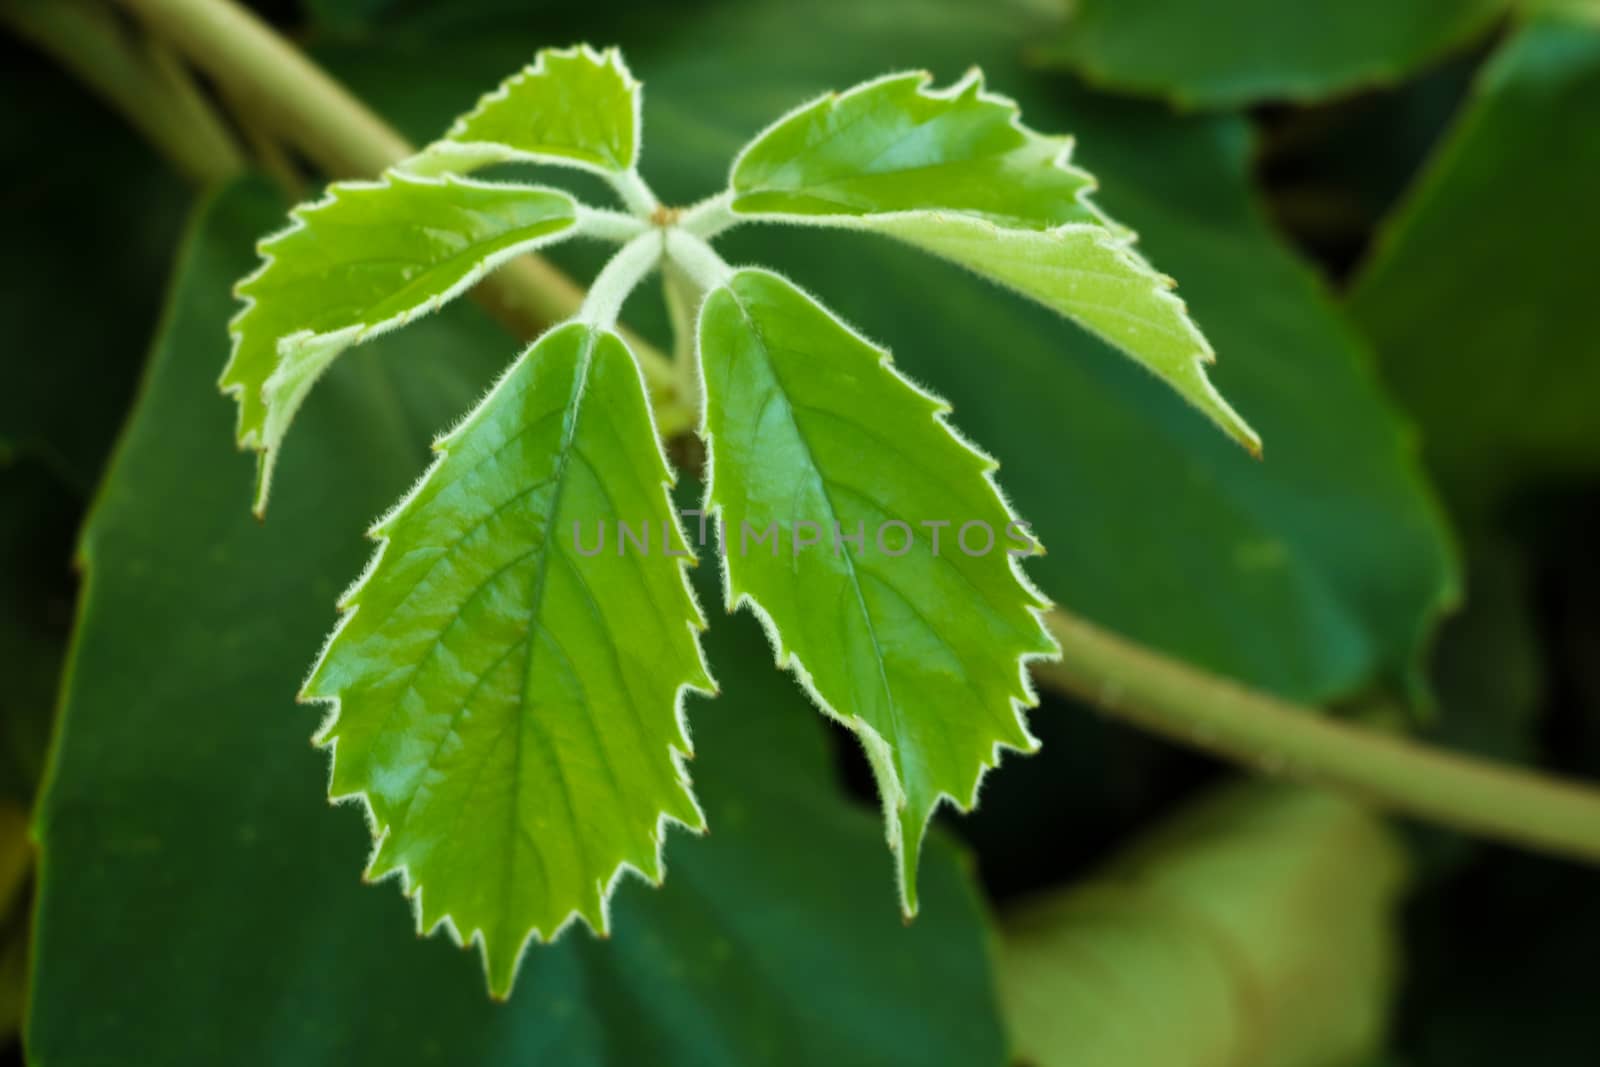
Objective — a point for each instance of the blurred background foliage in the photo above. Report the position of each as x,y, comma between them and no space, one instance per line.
1381,211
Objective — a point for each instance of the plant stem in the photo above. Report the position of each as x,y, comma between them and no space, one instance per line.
683,297
710,217
302,104
636,195
150,91
1168,697
620,277
698,259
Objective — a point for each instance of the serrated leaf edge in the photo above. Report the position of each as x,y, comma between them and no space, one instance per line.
448,152
1115,237
1162,286
879,754
348,607
973,78
266,443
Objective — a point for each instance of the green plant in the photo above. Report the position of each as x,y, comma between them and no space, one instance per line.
542,682
511,684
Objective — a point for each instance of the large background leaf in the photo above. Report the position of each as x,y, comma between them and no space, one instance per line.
1478,300
1478,297
200,902
1231,52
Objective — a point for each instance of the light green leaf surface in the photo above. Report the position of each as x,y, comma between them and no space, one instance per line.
894,145
1479,296
919,650
1254,929
573,106
955,173
368,257
198,898
1231,53
508,701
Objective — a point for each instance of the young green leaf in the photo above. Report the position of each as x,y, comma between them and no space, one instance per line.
508,701
955,173
572,107
368,257
916,633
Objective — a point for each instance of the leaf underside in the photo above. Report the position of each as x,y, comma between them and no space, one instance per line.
921,653
367,258
507,706
954,173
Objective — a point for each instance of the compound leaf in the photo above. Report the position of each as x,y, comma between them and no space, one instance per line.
574,107
367,258
955,173
507,701
915,642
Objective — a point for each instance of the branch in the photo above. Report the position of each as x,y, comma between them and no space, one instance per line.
152,95
1197,709
306,107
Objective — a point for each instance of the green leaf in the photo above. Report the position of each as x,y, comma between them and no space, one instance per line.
508,702
893,145
1254,928
368,257
918,647
1231,53
1475,297
198,899
575,107
955,173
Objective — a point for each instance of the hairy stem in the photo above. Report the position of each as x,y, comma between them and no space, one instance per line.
303,105
619,278
683,297
1192,707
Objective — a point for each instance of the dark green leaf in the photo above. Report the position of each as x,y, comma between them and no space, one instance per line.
1228,53
1478,297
